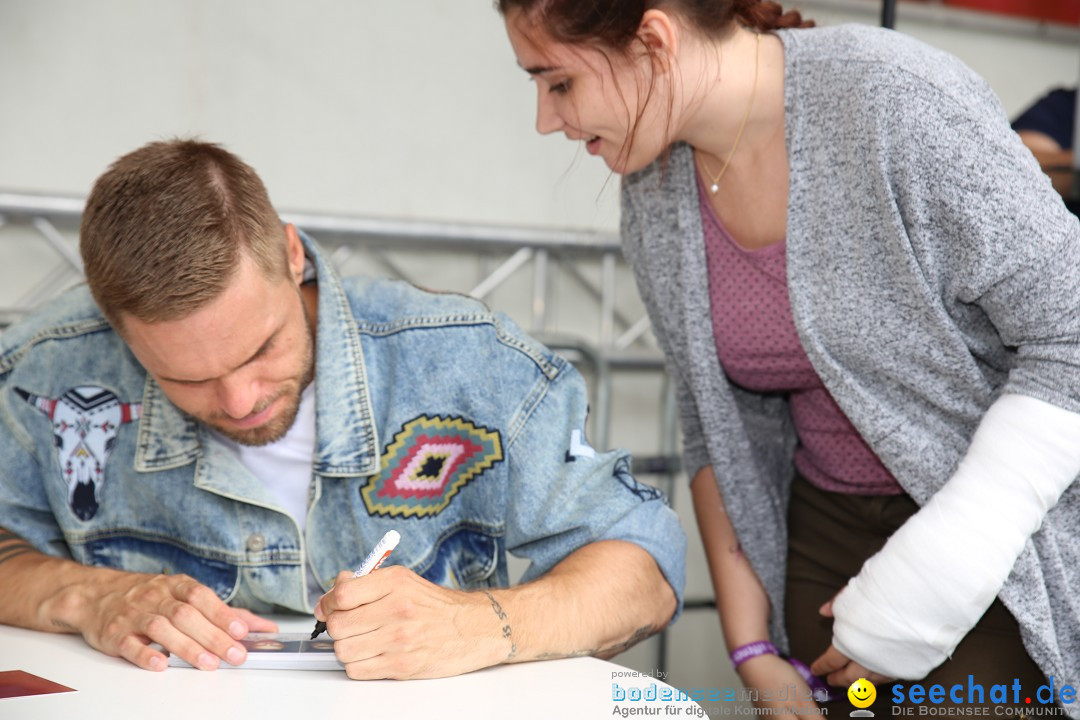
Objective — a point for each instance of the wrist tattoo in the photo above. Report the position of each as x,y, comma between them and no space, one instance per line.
507,631
11,545
603,652
640,634
564,655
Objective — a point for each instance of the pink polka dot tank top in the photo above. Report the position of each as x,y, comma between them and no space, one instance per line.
759,350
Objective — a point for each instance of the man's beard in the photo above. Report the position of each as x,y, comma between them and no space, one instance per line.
278,426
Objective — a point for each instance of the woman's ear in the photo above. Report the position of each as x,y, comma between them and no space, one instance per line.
659,36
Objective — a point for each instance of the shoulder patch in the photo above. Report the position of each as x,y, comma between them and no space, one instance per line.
640,490
429,461
579,447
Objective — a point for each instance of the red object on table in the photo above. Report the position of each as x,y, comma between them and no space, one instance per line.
16,683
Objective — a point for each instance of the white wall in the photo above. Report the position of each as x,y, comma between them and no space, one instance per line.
406,109
409,108
403,109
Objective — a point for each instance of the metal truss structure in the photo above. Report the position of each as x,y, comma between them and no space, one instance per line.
562,286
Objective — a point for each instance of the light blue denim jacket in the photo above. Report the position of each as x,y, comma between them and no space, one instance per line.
435,417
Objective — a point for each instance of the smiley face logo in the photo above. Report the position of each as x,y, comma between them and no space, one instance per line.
862,693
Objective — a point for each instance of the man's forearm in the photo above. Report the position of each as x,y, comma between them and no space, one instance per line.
42,592
600,600
25,575
32,582
118,612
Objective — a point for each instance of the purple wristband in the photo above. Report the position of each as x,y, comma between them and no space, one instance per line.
751,650
818,688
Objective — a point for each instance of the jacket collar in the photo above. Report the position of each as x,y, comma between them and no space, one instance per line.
347,440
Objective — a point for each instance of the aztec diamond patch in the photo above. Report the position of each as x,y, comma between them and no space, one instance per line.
427,464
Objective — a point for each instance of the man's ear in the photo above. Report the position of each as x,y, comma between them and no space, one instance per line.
294,249
659,35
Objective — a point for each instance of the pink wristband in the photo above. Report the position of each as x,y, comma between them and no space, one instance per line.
751,650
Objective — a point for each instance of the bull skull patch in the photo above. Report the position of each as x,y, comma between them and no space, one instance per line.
85,421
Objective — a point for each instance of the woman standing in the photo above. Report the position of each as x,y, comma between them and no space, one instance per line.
868,294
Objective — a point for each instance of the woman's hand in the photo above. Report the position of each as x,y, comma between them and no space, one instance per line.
837,668
773,678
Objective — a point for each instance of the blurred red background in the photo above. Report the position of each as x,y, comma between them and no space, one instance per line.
1061,11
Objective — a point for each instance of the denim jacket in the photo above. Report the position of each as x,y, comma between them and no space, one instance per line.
435,417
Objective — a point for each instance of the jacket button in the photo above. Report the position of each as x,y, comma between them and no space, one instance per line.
256,542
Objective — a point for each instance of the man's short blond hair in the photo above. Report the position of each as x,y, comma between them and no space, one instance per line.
164,227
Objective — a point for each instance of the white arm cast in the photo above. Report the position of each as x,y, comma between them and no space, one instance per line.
913,602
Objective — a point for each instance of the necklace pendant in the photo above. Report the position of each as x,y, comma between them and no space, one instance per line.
714,188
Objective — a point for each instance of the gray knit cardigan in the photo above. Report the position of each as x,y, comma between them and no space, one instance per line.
931,267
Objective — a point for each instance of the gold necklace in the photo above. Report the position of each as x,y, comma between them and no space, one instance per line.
714,186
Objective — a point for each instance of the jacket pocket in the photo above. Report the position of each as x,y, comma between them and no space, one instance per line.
139,554
464,556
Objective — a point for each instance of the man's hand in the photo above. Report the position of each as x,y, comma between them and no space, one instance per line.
395,624
121,613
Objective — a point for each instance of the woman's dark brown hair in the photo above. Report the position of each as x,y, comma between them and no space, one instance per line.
614,23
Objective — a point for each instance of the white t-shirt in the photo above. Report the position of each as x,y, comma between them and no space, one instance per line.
285,467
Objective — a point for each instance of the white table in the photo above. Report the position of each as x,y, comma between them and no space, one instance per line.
110,688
